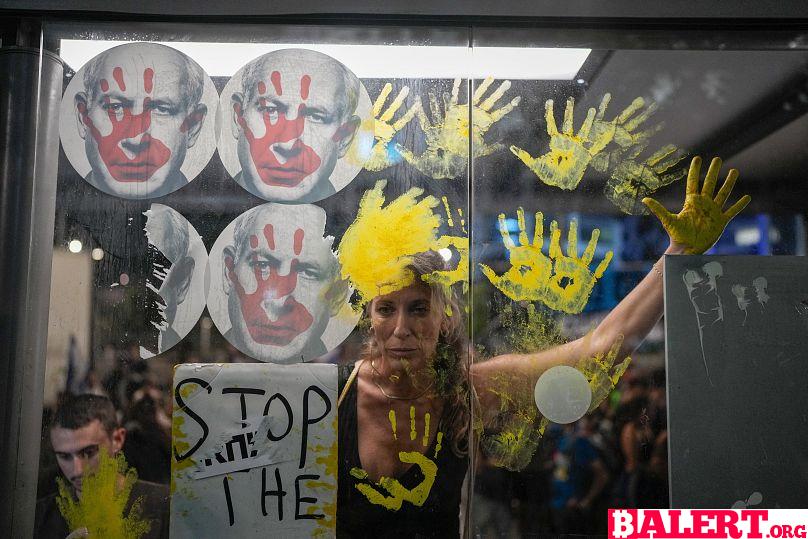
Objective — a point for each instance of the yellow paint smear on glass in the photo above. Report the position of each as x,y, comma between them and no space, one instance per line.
329,460
631,180
447,132
449,219
374,153
459,240
602,373
180,446
514,444
571,154
528,329
104,507
187,390
378,246
438,445
514,434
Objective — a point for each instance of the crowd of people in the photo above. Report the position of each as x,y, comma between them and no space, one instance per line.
615,457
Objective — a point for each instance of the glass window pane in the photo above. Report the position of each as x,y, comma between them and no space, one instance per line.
580,151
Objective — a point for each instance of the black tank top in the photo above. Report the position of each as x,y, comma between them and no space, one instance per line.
357,517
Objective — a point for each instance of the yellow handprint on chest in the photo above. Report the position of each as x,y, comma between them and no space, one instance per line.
397,493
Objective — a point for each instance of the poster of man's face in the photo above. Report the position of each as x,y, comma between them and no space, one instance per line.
137,120
176,279
287,122
276,292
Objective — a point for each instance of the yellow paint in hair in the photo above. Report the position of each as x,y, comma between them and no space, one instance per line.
378,246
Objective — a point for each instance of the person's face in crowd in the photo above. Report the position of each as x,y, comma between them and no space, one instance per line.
406,325
136,123
282,284
78,450
292,127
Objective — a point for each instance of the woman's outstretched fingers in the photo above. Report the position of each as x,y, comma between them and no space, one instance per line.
736,208
693,176
712,177
659,210
726,189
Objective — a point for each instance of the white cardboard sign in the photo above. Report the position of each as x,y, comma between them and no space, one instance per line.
254,450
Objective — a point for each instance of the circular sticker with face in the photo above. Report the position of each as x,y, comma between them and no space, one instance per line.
149,279
275,288
294,126
175,277
137,121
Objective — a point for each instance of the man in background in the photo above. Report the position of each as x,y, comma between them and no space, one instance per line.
82,428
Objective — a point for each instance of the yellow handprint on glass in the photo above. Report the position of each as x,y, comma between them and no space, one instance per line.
602,373
382,155
572,282
631,180
622,130
513,445
459,240
447,138
104,508
562,282
530,269
702,219
571,154
398,493
510,438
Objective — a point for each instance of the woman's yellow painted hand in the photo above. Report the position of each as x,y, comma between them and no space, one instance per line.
702,219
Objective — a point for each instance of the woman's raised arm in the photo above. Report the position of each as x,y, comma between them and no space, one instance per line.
692,231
